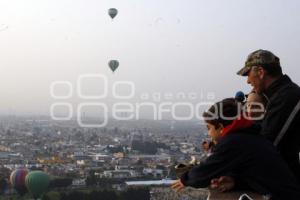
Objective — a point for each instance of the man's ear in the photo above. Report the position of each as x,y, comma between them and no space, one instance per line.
261,72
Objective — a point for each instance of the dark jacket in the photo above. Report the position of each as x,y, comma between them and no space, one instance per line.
253,159
283,96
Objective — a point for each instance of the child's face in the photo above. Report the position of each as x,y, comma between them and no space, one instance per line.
213,132
254,106
205,146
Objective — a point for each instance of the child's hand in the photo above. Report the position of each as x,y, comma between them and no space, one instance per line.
177,186
224,183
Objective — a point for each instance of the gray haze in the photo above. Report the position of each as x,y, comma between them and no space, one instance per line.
162,46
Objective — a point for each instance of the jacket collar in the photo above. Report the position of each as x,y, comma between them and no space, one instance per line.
273,88
238,124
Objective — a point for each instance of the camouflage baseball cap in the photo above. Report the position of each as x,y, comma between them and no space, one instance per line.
257,58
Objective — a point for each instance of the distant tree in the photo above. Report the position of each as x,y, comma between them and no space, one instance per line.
106,195
147,147
3,185
136,194
52,196
76,195
162,167
95,195
91,179
71,175
63,195
60,182
139,162
116,149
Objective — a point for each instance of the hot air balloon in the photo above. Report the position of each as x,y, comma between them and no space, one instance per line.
113,65
112,12
37,183
17,179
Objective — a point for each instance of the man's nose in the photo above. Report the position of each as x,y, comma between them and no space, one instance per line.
248,80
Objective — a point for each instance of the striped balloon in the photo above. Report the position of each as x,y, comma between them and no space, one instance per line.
17,180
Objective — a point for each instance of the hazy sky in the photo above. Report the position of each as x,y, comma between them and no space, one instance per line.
162,45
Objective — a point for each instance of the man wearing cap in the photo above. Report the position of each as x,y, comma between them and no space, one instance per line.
265,75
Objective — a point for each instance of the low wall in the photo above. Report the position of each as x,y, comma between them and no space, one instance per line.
166,193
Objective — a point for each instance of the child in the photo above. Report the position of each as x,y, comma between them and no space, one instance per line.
256,106
252,160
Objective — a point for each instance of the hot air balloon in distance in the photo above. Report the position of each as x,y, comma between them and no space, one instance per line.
37,183
113,65
17,180
112,12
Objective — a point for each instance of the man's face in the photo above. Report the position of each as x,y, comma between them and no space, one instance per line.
256,79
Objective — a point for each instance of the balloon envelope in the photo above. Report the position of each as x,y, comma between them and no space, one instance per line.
37,183
17,179
112,12
113,65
